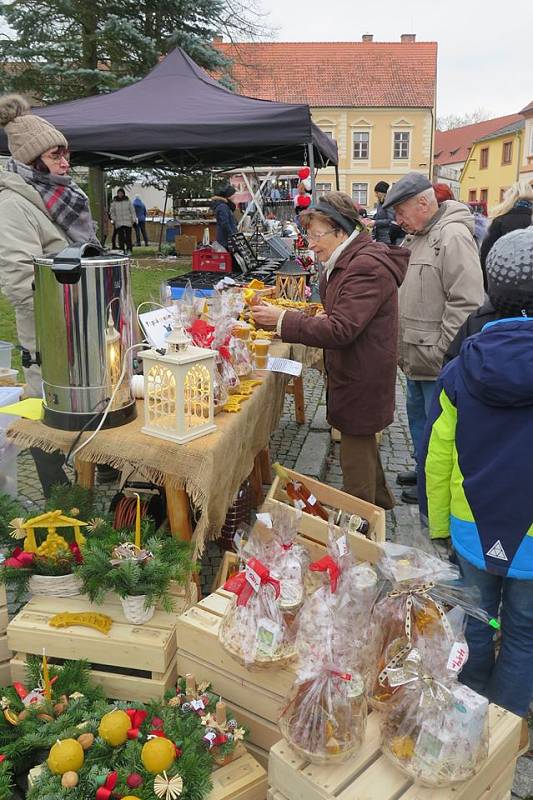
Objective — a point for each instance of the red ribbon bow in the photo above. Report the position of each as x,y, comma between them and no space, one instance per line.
19,559
105,792
239,585
137,718
329,565
202,333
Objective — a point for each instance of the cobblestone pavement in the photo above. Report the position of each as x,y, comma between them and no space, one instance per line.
287,446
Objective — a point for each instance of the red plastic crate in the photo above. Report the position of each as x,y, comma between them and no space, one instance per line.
207,260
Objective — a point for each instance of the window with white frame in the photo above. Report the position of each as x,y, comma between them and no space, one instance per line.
322,188
361,145
329,133
360,193
401,145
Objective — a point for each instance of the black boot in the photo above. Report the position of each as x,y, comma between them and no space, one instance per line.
410,495
407,478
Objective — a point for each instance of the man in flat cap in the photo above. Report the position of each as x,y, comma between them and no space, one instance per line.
444,283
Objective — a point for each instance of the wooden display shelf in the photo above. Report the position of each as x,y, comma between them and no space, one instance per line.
5,653
369,774
317,528
132,662
242,779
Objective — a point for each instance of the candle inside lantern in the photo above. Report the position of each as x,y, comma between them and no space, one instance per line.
46,679
220,712
190,686
138,522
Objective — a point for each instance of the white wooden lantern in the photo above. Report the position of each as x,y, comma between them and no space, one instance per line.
178,390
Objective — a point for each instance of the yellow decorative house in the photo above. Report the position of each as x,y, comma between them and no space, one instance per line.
493,164
54,542
376,99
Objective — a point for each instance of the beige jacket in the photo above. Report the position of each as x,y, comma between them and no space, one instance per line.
26,231
122,213
444,283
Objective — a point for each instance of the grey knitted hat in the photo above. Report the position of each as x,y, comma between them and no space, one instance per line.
28,136
509,268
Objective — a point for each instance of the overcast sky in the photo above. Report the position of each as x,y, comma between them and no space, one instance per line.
484,47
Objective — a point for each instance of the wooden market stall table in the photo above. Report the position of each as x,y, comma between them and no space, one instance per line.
206,472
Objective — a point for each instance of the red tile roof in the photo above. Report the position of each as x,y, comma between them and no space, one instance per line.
332,74
451,147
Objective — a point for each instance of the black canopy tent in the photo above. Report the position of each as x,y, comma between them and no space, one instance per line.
178,117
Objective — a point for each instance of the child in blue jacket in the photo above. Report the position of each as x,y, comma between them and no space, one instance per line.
477,475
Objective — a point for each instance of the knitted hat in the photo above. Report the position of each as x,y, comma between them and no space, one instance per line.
28,136
227,191
509,268
382,186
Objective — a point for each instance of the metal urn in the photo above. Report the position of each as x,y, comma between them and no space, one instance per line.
84,327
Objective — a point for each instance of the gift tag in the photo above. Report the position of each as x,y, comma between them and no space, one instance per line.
267,637
198,705
291,591
458,656
311,500
342,545
264,519
253,578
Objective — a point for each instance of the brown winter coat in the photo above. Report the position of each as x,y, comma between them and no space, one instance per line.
358,333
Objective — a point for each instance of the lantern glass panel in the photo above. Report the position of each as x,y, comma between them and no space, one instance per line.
161,396
196,396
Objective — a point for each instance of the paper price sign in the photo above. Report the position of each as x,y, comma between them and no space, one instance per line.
342,545
157,325
458,656
253,578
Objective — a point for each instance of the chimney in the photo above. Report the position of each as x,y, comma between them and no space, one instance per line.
408,37
368,37
218,39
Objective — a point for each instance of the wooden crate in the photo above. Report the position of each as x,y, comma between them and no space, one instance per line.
5,652
149,649
242,779
371,775
317,528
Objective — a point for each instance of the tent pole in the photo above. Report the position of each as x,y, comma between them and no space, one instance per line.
337,182
163,223
312,168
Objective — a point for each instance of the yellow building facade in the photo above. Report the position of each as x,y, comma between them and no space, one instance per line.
492,165
375,144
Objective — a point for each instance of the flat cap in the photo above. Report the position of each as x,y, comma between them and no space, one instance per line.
411,184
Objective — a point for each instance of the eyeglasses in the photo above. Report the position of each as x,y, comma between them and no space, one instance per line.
57,157
318,236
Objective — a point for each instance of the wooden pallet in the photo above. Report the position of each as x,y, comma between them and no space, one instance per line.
149,650
317,528
5,652
242,779
371,776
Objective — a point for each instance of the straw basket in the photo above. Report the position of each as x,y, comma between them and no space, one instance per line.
55,585
134,609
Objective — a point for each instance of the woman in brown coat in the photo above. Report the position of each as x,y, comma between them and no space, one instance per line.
358,331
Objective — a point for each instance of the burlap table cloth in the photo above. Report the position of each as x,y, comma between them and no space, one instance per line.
209,469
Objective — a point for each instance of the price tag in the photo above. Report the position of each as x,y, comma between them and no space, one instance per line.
253,578
264,519
342,545
458,656
198,705
299,504
311,500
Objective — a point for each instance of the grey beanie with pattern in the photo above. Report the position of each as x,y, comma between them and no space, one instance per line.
509,268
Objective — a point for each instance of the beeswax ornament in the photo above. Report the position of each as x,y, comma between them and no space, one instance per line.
131,797
168,788
114,727
158,754
69,780
65,756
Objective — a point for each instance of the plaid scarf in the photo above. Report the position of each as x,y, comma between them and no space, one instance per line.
66,204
